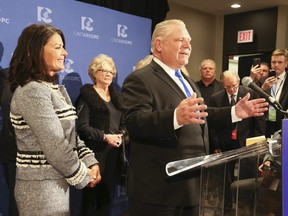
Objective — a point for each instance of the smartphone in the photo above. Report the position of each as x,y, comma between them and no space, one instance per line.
256,61
272,73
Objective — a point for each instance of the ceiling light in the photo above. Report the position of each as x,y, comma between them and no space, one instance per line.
235,6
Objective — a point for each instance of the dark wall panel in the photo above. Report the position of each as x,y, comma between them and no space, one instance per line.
264,24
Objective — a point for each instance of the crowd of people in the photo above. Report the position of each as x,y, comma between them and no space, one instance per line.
160,115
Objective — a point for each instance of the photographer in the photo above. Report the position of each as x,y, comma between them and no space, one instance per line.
265,191
270,192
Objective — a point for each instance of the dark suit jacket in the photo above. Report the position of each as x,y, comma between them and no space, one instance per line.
207,91
283,100
149,98
250,127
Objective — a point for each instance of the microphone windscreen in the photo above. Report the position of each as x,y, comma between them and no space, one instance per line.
246,81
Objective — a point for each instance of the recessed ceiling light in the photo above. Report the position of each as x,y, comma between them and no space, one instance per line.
235,6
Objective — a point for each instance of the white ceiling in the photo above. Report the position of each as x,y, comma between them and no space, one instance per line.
222,7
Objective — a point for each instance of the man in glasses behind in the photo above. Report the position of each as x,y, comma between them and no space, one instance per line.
235,137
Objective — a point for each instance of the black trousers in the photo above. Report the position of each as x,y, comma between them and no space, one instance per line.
9,169
270,128
137,208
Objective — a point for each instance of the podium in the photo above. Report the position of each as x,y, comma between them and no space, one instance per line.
285,165
250,192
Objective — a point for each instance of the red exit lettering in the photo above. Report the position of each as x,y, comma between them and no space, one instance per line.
245,36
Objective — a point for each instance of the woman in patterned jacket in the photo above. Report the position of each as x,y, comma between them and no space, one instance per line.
49,156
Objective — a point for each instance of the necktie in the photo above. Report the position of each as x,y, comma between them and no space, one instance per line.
232,102
178,74
274,92
233,133
275,88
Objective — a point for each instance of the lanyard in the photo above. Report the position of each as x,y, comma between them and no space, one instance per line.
275,91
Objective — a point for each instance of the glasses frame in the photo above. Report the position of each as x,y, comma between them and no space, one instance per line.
232,87
107,71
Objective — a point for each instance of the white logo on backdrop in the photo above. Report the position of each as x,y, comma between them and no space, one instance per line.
68,64
67,70
86,23
43,14
121,31
4,20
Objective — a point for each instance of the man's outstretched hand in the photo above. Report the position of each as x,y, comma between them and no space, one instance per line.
246,108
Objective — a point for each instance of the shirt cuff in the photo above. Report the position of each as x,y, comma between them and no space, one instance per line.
175,122
234,117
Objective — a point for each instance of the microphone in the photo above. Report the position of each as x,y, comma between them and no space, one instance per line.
247,81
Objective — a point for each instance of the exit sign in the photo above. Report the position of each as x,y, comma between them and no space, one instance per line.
245,36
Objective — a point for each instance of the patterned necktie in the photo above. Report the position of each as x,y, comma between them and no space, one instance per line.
178,74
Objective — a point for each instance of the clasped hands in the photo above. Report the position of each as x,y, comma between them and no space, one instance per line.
114,140
95,176
191,111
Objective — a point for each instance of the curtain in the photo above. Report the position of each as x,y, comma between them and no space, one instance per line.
156,10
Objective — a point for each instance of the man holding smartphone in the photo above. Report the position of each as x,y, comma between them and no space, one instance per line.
259,69
277,87
276,84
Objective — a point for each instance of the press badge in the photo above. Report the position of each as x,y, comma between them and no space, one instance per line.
272,114
234,134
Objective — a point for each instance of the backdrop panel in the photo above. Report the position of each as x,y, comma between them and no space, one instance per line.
89,30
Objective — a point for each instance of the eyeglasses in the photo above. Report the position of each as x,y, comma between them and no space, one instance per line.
106,71
231,87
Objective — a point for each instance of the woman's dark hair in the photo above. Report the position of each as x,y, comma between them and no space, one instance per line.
28,63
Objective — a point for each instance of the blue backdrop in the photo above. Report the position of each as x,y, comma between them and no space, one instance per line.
89,30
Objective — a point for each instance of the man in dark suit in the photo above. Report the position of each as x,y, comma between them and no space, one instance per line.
208,84
277,87
165,123
234,137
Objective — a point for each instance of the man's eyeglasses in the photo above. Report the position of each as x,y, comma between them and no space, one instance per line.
106,71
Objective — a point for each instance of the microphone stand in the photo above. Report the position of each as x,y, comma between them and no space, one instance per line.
279,108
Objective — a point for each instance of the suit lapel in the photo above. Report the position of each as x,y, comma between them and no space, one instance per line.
226,101
284,89
193,85
240,94
159,71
